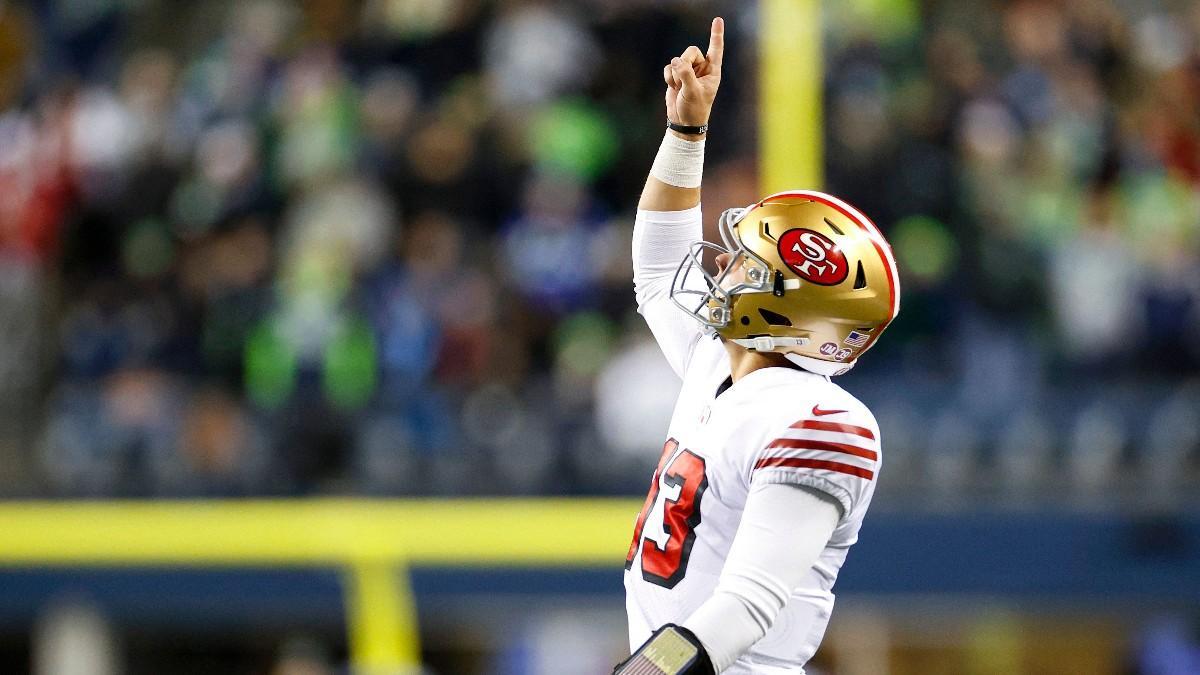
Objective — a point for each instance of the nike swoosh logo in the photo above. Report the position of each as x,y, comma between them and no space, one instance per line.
818,412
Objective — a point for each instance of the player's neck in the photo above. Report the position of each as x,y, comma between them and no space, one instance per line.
742,361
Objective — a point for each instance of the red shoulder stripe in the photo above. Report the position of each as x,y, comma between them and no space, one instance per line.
834,426
807,444
803,463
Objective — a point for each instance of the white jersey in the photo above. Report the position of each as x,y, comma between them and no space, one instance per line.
775,425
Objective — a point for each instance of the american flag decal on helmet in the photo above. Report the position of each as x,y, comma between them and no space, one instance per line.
856,339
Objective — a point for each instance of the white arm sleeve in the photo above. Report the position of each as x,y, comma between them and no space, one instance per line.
784,528
660,241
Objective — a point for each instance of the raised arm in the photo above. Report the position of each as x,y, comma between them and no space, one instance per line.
668,218
692,79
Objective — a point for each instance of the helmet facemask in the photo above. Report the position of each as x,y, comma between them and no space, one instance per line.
712,306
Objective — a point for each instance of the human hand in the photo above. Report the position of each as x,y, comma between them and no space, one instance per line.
693,78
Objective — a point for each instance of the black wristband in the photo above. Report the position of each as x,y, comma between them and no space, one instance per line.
685,129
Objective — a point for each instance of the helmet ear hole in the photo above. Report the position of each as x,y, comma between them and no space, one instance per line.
774,319
860,279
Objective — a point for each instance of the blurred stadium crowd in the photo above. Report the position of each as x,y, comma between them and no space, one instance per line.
381,246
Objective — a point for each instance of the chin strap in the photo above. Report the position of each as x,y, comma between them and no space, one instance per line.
769,343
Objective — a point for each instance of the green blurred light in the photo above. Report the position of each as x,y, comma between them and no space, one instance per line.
1160,206
351,366
319,139
583,344
1050,213
316,274
925,248
271,366
574,137
888,21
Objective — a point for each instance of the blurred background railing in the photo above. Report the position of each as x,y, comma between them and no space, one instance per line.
379,248
533,586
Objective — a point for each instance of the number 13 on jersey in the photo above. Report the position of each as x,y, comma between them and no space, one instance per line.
667,523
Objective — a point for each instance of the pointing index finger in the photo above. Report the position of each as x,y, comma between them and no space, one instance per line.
716,42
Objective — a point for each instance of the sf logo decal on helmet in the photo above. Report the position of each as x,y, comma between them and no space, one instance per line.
813,256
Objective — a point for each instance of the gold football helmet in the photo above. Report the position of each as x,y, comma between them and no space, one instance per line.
809,276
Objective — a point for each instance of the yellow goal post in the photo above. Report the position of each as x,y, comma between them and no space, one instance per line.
371,541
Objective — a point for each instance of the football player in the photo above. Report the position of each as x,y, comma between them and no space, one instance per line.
769,467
